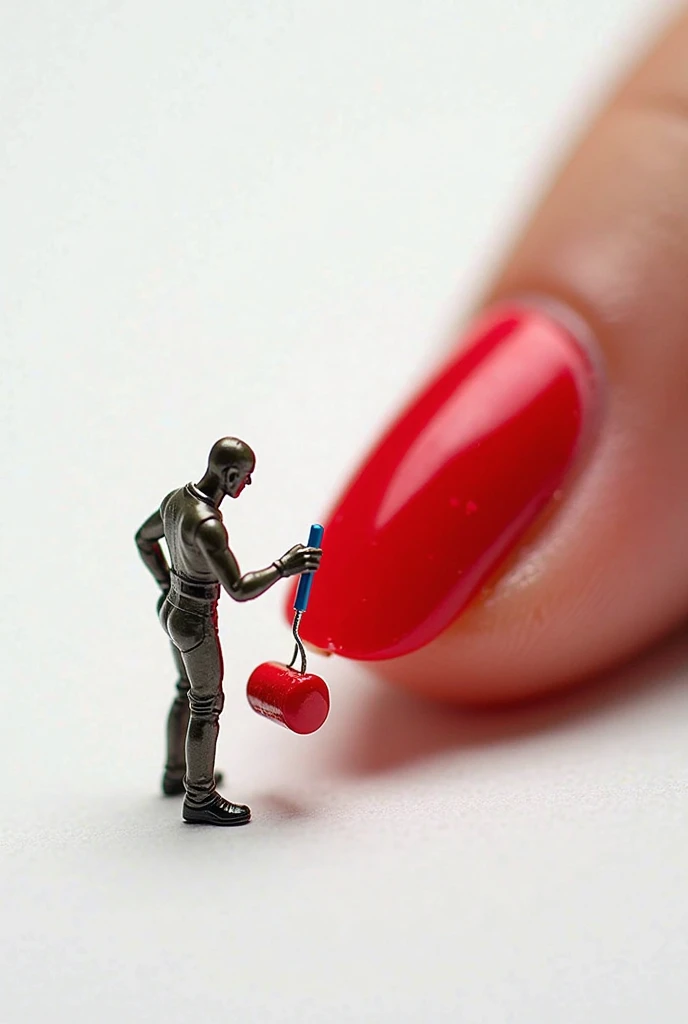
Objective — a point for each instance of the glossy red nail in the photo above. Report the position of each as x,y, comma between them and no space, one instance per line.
451,487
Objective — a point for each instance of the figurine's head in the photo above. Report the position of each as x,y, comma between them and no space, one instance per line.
231,462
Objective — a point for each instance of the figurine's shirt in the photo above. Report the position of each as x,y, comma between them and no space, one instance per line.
182,513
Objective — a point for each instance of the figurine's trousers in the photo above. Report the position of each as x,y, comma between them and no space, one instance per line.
178,721
191,624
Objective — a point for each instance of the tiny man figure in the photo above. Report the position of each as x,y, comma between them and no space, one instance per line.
201,561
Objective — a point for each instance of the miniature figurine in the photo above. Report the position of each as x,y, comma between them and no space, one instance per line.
201,561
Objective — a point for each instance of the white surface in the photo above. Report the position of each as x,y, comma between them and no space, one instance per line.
208,211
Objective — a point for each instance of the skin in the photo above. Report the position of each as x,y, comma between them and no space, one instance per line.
604,573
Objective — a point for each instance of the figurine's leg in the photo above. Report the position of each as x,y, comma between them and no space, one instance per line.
205,671
203,804
194,632
177,727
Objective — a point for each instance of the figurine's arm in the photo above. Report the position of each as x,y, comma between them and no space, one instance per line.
147,541
212,540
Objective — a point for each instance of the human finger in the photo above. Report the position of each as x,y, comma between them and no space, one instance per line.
522,523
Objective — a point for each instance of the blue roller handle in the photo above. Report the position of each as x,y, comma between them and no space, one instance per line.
306,582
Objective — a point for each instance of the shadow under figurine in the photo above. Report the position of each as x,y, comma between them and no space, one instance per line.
201,562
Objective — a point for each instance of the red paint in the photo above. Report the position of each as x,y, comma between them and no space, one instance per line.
297,701
450,487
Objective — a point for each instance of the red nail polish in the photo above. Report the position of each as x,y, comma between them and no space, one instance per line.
451,487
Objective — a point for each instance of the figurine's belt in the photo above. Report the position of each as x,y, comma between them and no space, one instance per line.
194,588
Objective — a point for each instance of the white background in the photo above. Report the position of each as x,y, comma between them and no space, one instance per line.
264,219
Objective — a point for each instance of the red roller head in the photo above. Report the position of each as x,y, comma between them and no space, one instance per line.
298,701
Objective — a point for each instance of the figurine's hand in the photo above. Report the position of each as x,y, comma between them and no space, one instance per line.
299,559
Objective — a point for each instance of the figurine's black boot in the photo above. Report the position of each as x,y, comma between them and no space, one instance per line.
217,811
173,782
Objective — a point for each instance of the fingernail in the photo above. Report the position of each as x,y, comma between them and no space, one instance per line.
452,485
